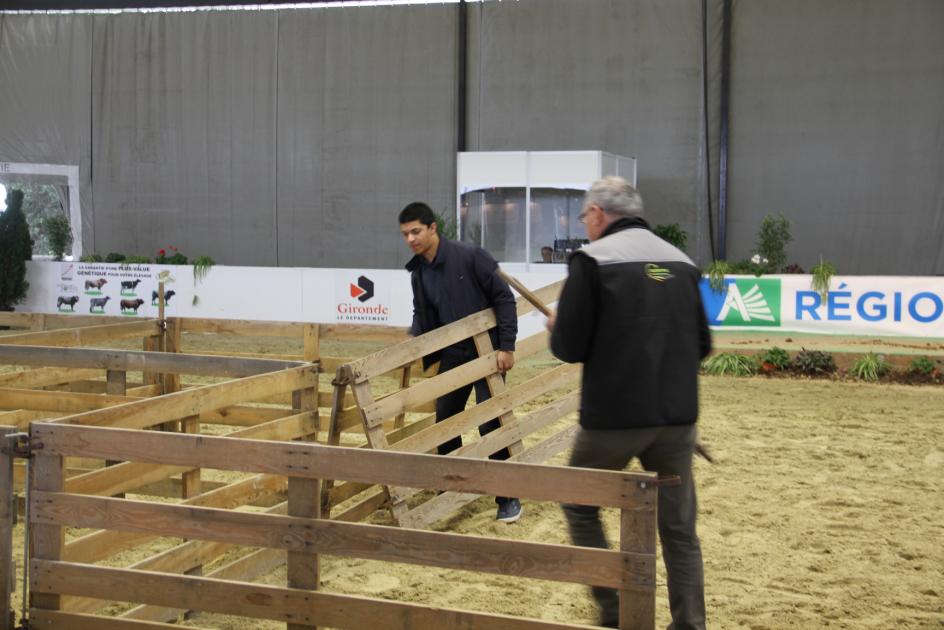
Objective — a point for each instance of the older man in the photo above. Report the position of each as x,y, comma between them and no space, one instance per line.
631,312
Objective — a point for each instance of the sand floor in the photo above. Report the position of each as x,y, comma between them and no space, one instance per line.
825,509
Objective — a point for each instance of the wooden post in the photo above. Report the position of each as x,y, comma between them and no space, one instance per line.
311,339
46,541
7,517
637,607
496,385
160,301
377,438
334,439
116,384
152,343
400,420
304,499
172,343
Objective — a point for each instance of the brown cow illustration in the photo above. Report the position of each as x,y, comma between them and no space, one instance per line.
131,305
95,284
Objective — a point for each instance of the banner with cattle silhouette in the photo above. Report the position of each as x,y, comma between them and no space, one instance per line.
279,294
108,289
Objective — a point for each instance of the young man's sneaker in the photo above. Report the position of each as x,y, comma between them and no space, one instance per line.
509,511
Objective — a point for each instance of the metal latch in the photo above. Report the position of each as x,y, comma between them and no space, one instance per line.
20,445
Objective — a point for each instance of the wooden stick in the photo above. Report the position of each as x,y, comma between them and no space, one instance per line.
524,291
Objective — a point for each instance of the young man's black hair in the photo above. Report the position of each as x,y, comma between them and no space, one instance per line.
417,211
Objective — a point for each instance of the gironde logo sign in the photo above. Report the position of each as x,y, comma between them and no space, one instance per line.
359,304
743,302
363,290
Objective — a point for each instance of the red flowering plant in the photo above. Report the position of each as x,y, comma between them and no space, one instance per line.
176,258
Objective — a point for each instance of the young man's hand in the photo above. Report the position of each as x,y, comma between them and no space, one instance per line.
506,360
551,320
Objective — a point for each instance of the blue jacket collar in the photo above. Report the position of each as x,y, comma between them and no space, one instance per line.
442,253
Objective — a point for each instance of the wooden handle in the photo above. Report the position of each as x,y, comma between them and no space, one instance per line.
524,291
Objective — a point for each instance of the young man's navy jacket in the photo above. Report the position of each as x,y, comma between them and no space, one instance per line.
471,285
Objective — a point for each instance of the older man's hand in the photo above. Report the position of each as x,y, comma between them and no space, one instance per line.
506,360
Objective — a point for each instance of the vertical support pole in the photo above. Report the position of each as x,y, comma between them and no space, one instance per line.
170,383
377,439
151,344
304,500
496,385
190,486
172,342
7,517
311,352
723,135
160,301
46,541
400,420
190,481
311,342
637,606
333,439
116,384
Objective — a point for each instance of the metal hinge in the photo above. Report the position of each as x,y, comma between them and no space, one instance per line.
20,445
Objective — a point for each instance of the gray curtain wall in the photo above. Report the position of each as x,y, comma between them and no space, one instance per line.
623,77
45,96
366,124
837,122
183,120
293,137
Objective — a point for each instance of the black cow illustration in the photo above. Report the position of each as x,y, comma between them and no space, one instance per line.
98,303
70,301
167,296
131,305
130,284
95,284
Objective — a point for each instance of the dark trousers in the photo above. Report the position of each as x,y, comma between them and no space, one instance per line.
454,402
667,451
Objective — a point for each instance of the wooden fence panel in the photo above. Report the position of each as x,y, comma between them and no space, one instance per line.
305,535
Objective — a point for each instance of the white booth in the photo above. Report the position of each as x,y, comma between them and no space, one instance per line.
495,187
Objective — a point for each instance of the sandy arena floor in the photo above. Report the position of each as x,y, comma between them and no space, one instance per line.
825,509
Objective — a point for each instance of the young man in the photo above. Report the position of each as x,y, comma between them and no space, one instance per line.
452,280
631,312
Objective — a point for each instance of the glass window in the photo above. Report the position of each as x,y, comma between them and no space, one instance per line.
495,219
556,229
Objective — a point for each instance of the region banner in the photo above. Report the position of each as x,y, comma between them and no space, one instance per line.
857,305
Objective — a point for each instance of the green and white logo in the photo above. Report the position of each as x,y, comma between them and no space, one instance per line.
749,302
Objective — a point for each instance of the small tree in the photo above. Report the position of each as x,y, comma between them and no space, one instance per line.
445,225
772,242
672,233
59,234
16,247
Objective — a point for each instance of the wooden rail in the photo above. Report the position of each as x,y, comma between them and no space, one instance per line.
379,414
630,569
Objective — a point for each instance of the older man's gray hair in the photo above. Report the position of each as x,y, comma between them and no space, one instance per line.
616,196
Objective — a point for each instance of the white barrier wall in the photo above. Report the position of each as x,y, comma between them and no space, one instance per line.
353,296
858,305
